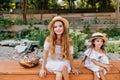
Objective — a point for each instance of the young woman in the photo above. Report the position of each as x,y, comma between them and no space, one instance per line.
95,56
58,50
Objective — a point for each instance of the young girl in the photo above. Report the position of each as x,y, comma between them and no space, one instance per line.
58,50
95,56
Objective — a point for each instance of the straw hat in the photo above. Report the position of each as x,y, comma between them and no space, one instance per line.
58,18
98,35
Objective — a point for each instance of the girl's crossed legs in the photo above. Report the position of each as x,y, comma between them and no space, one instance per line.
101,73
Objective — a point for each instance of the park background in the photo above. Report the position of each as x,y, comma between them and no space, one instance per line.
24,20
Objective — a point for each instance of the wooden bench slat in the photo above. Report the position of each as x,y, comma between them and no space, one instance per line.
116,63
52,77
11,70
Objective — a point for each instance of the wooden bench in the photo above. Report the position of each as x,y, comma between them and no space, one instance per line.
11,70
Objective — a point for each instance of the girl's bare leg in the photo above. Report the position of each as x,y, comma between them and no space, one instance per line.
95,76
58,76
101,72
65,73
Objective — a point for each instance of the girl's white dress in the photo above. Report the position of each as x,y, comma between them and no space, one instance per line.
57,64
92,54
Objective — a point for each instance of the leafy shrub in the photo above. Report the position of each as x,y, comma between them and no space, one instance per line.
79,40
36,34
46,22
22,34
19,22
86,28
112,32
95,20
4,35
113,47
5,22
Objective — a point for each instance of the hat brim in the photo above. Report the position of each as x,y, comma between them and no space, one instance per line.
66,24
104,38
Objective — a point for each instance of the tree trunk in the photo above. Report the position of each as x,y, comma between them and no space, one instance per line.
117,11
24,10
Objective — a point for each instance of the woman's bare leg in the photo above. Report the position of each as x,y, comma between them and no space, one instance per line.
58,76
65,73
95,76
101,72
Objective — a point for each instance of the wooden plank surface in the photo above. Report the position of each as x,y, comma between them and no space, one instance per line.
13,67
116,63
11,70
52,77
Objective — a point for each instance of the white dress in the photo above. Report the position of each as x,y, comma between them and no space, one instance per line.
92,54
57,64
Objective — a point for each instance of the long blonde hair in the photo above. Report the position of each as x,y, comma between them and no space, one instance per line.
64,46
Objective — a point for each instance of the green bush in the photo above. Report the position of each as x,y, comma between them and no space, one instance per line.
79,40
36,34
19,22
4,35
5,22
112,32
22,34
113,46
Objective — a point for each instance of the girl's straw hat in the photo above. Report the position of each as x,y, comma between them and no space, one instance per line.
98,35
58,18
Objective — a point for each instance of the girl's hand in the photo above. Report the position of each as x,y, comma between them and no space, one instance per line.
108,67
75,71
42,73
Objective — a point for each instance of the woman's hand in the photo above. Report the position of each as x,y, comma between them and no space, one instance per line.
42,73
75,71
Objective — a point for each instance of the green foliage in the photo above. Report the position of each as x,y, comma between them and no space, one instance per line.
46,22
36,34
95,20
116,38
37,4
4,35
23,33
31,23
66,4
5,22
19,22
53,4
99,3
31,4
113,46
79,40
81,4
114,4
86,28
112,32
7,5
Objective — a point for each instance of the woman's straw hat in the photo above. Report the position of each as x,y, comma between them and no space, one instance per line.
98,35
58,18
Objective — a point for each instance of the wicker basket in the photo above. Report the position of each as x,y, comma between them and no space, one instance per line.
29,61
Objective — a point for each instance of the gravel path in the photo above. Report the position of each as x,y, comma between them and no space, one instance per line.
6,52
9,53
